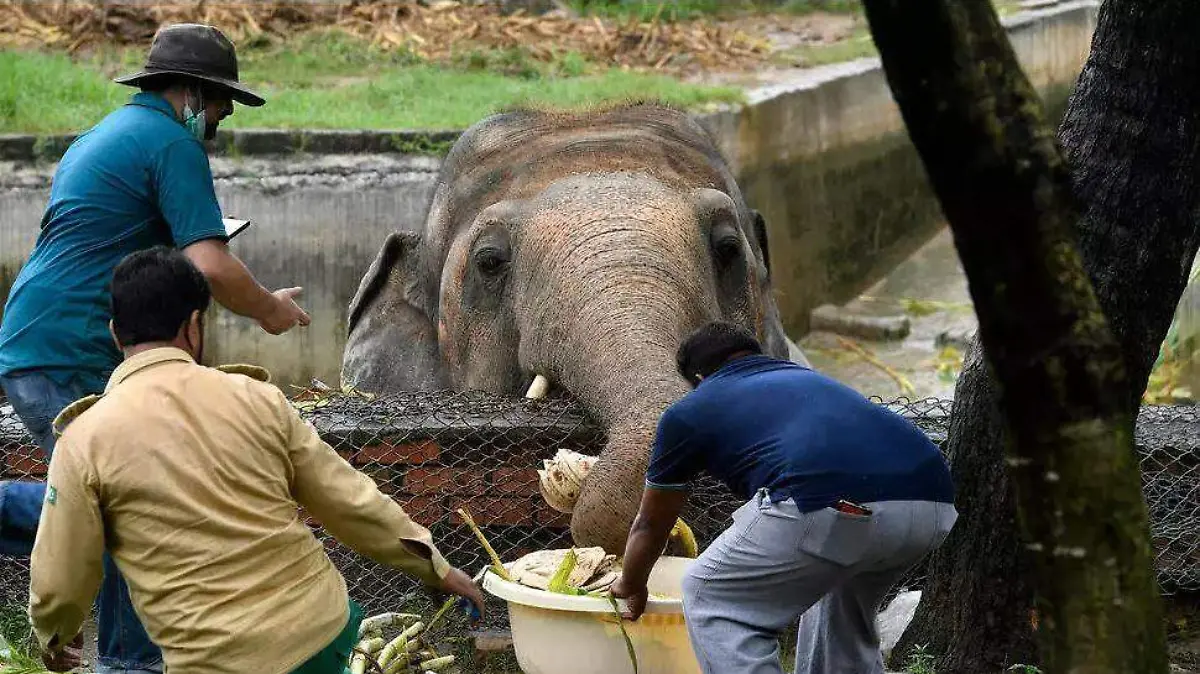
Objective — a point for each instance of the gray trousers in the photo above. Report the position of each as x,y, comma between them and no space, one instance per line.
830,568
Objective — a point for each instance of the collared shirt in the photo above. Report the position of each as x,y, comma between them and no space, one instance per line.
762,423
192,478
135,180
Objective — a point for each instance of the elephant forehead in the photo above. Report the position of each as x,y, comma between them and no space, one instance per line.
524,170
626,191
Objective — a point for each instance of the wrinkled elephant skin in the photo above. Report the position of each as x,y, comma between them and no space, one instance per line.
583,248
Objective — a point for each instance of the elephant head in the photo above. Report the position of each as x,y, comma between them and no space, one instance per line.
580,247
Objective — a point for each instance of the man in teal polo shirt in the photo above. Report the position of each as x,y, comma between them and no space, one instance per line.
138,179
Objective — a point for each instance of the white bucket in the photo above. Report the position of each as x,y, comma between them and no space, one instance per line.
565,634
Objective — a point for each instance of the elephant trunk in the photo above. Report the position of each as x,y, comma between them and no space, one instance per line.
610,341
612,491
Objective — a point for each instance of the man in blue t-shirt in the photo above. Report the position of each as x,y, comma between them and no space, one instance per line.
138,179
844,497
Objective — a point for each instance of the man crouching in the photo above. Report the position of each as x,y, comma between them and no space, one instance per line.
843,498
192,478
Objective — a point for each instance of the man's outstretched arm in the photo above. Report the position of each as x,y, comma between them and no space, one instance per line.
350,506
236,289
187,199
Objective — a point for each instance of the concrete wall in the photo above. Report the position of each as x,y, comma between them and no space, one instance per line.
822,154
827,160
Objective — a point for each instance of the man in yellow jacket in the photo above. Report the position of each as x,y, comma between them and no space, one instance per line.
192,478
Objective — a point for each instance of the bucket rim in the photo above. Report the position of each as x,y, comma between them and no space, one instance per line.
516,593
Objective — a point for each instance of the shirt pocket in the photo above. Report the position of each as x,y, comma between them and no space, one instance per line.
838,537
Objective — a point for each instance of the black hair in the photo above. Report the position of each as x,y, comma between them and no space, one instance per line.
154,292
708,348
156,84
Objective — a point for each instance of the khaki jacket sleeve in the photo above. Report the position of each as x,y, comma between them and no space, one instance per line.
66,563
350,506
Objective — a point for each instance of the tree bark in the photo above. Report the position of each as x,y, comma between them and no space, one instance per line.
976,608
1066,399
1131,133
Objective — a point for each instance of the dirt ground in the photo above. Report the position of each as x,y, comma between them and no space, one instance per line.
734,45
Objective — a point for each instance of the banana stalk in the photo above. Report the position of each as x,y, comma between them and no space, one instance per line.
612,601
687,540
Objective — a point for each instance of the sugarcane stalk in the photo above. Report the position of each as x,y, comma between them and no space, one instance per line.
378,623
399,644
441,612
371,646
437,664
497,566
398,665
413,630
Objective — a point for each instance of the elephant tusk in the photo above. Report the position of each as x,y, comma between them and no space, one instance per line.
539,388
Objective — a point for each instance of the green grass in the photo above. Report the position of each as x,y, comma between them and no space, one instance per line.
18,645
333,80
920,661
683,10
858,45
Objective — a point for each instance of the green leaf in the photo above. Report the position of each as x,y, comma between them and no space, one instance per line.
558,582
612,601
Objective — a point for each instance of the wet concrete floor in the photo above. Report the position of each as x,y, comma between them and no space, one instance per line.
930,291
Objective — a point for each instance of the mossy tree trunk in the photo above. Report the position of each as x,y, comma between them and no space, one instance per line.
1067,388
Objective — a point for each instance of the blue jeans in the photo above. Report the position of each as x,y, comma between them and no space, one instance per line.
37,398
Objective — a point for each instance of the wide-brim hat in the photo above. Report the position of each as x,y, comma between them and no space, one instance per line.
198,51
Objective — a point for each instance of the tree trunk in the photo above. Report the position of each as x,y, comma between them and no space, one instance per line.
1131,136
1067,402
975,610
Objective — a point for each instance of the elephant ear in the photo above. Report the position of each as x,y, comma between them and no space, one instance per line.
760,233
391,343
777,343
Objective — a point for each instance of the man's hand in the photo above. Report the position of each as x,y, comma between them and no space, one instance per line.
459,583
236,289
64,659
647,539
635,598
286,313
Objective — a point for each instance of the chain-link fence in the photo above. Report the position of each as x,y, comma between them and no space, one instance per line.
437,452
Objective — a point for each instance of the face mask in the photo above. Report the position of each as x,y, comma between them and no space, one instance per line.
196,122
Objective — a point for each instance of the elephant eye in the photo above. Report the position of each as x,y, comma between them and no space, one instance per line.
726,249
491,261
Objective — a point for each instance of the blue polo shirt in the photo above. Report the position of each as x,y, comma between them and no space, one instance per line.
760,423
135,180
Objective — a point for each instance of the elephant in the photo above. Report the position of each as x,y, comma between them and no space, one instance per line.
579,246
